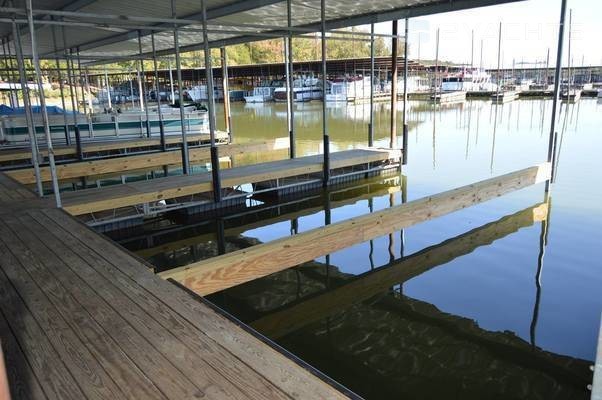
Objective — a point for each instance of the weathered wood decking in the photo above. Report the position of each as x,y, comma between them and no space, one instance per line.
130,194
82,318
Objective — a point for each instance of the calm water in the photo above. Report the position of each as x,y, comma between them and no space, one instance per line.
488,302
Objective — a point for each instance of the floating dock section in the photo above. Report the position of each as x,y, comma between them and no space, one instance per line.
504,97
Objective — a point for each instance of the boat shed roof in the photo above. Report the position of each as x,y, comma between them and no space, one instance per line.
107,30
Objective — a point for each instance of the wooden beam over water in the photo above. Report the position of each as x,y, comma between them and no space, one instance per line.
244,265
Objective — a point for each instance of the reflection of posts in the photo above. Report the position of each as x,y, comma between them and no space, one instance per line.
543,242
372,283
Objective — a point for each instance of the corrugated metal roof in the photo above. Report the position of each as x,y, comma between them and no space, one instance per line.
230,15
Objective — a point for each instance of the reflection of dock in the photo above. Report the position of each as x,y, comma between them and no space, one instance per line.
448,97
371,283
504,97
81,318
263,216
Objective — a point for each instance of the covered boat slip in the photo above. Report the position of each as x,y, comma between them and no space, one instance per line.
81,318
137,193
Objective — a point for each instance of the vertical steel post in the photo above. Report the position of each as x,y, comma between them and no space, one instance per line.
326,137
225,86
173,95
185,158
394,40
12,87
79,80
405,97
73,94
142,85
499,54
31,126
158,96
290,93
557,72
36,64
108,87
217,185
12,67
62,88
371,126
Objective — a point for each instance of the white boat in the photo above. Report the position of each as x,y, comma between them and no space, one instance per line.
261,94
304,89
199,93
468,80
349,89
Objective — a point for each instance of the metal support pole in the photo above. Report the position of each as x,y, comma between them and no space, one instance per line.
73,94
36,64
405,96
173,95
12,66
108,87
371,126
225,86
326,137
158,96
217,185
62,89
142,85
557,71
79,80
499,54
290,96
185,158
31,126
12,87
393,138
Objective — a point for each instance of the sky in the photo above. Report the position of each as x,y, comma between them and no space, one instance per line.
529,28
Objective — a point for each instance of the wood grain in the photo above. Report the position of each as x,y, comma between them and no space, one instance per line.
241,266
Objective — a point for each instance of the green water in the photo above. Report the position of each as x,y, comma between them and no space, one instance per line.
483,303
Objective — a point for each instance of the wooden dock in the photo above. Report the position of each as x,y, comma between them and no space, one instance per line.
136,193
83,319
106,145
118,165
231,269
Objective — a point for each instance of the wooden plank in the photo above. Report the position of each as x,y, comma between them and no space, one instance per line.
296,382
81,363
44,360
38,260
372,283
21,381
210,276
142,161
135,193
199,358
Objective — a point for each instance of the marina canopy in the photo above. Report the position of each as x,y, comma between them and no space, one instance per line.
107,30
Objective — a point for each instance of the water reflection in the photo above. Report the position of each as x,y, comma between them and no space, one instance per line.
416,313
398,344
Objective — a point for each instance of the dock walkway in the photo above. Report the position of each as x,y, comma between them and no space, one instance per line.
83,319
135,193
